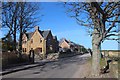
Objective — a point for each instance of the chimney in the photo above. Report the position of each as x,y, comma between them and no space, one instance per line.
36,27
69,40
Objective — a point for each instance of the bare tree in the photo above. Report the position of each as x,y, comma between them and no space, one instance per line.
19,16
27,18
102,19
9,19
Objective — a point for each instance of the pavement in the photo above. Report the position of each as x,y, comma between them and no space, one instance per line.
23,67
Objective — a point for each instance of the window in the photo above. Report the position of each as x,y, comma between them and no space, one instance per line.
40,40
31,40
49,41
25,49
24,41
40,49
51,48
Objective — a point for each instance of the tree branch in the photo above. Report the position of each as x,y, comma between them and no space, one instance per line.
112,25
99,9
113,39
112,35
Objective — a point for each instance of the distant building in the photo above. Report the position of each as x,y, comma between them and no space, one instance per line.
40,41
67,44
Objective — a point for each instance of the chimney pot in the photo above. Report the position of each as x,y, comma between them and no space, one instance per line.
36,27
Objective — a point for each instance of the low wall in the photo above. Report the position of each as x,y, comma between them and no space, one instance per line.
61,55
10,58
111,53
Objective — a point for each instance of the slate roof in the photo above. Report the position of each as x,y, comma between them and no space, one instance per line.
43,33
29,35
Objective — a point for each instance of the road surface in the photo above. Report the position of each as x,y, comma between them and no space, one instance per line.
71,67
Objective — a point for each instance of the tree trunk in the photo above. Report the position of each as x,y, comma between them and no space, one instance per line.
20,43
20,40
14,36
21,28
96,54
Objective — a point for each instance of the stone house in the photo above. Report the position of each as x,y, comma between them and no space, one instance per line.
67,44
42,42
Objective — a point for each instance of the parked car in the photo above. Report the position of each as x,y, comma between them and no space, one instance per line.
61,50
64,50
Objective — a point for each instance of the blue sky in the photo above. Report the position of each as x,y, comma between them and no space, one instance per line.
63,26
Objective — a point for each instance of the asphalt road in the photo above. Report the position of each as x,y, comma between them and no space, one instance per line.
71,67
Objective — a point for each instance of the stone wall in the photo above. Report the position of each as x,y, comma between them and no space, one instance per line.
111,53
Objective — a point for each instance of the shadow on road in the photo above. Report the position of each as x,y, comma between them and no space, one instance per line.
62,63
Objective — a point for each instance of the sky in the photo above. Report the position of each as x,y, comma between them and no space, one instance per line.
62,26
